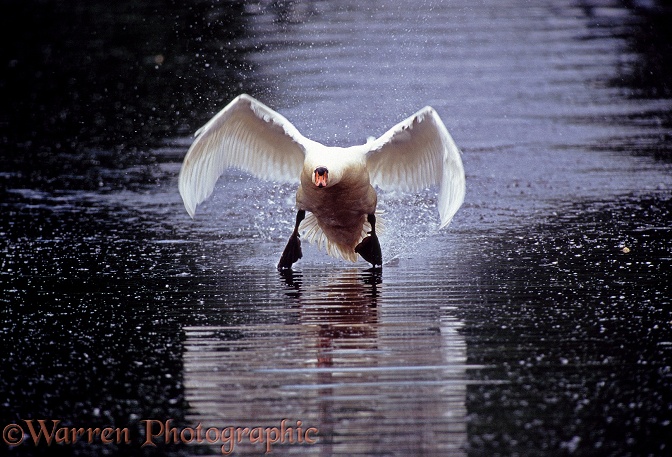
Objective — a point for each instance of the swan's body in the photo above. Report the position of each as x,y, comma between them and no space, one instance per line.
339,210
335,184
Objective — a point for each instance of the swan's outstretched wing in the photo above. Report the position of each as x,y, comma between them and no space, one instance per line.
247,135
418,153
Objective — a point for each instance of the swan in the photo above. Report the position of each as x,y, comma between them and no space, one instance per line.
335,183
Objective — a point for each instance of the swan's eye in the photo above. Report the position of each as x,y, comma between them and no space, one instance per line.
321,175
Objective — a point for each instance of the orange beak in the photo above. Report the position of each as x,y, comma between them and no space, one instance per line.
321,175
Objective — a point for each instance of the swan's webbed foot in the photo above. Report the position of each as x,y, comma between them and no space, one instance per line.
369,247
291,254
292,251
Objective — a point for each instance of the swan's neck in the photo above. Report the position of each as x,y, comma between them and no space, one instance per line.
340,162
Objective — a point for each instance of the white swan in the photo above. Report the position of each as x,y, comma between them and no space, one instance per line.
335,184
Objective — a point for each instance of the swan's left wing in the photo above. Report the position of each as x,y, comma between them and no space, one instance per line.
248,135
418,153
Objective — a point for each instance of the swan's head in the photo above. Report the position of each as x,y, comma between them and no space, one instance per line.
321,176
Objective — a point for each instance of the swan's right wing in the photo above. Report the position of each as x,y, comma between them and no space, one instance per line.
247,135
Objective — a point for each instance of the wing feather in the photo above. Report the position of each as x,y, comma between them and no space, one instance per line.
418,153
248,135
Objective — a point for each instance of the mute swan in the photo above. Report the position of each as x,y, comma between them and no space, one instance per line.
335,184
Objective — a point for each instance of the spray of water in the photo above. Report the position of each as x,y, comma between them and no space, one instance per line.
246,209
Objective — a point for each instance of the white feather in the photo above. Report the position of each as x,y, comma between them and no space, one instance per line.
247,135
418,153
313,233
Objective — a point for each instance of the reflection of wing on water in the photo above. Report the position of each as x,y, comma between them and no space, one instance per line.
374,377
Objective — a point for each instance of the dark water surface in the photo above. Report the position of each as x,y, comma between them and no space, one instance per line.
539,323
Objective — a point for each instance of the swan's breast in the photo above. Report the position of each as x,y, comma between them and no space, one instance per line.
341,208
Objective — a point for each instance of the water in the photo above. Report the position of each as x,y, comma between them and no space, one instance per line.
538,323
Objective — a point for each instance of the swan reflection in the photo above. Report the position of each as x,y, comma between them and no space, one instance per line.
347,357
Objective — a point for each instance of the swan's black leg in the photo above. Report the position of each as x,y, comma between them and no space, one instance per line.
292,251
369,248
